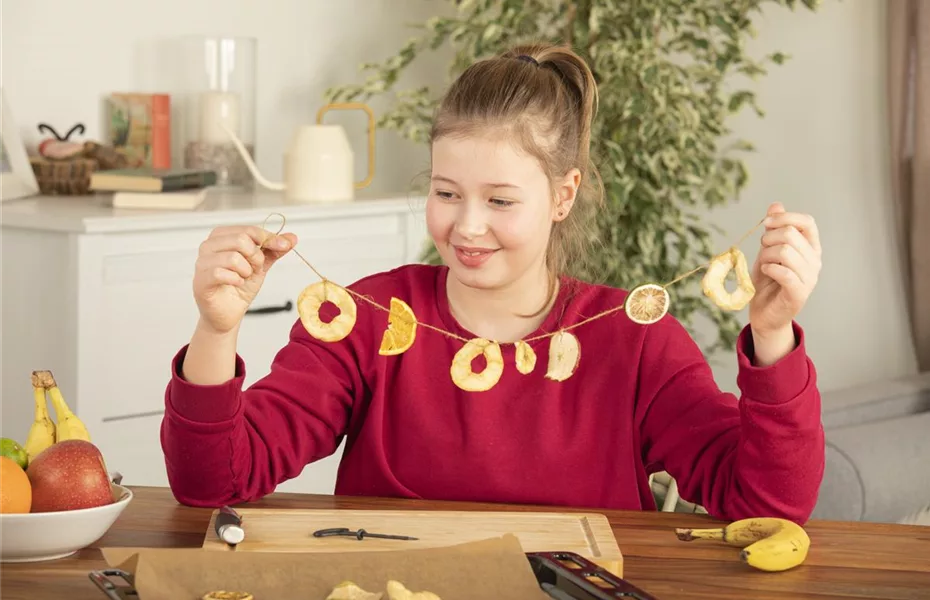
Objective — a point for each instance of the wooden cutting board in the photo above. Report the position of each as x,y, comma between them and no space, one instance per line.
291,530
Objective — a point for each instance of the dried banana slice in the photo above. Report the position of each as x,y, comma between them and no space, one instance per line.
525,358
308,306
647,303
564,356
461,371
713,281
397,591
224,595
401,330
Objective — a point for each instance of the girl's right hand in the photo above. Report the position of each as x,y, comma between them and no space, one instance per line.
230,269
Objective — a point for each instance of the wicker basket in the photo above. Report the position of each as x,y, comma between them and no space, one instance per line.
68,177
71,176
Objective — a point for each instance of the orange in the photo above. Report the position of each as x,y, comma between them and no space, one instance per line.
401,329
15,488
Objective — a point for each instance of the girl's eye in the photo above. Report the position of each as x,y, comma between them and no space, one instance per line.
445,195
502,203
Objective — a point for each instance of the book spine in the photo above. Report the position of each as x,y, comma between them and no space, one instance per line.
161,131
171,183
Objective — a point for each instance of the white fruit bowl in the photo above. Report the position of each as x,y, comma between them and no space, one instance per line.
33,537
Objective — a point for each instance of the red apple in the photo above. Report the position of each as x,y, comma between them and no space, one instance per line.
69,475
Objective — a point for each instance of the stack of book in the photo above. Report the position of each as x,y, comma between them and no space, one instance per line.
146,187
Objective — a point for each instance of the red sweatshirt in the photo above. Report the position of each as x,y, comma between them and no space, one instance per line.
641,400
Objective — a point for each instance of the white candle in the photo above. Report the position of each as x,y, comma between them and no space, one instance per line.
218,109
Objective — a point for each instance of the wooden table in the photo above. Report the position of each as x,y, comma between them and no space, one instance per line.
846,560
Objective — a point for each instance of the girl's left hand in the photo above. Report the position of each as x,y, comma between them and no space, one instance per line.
785,272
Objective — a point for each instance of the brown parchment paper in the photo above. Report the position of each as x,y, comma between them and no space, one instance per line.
492,568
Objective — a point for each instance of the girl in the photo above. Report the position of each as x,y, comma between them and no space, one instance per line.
509,197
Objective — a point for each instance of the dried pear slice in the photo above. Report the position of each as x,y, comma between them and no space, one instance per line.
348,590
397,591
647,303
401,330
713,281
308,307
525,358
564,356
461,370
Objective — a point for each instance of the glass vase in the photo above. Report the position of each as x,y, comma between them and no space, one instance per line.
219,95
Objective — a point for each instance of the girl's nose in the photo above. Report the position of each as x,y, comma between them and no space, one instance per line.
471,223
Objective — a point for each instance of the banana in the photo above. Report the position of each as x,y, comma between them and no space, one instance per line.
768,543
42,432
70,427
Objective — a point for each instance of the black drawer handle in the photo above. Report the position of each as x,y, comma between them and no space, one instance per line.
267,310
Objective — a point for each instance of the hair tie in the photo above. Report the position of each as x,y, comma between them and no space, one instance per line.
529,59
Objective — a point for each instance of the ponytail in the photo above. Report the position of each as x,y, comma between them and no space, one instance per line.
546,97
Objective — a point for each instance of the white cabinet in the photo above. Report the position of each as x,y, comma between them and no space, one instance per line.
102,297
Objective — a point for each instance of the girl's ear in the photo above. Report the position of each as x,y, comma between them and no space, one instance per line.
566,193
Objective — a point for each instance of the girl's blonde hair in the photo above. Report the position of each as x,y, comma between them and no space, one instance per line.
544,98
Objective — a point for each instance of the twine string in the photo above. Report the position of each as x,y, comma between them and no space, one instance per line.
269,236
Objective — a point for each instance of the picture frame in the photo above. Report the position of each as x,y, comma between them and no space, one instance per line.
17,179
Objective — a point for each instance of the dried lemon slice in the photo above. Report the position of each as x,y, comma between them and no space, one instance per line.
461,371
647,303
401,329
525,358
713,281
564,356
308,306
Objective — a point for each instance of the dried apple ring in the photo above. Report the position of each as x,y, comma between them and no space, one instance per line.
308,307
713,281
461,370
525,358
564,356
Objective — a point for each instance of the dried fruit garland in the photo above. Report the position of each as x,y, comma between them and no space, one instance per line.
645,304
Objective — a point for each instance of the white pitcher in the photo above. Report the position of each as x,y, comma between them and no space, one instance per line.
319,165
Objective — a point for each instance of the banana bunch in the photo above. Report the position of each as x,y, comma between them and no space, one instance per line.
43,432
768,543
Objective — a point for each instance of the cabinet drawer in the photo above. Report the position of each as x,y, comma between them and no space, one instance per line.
132,447
147,312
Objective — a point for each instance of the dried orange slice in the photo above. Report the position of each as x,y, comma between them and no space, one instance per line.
308,307
647,303
525,358
713,281
461,369
564,356
401,329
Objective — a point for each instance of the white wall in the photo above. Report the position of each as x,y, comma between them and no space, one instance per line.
60,59
822,149
822,146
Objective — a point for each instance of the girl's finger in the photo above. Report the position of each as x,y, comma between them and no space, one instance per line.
232,260
788,257
221,276
791,236
802,222
786,278
239,242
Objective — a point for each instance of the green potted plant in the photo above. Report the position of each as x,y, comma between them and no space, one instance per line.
660,138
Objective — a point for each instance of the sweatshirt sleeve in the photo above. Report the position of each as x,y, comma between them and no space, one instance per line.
225,445
761,454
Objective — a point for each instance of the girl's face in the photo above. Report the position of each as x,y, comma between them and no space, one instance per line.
490,211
